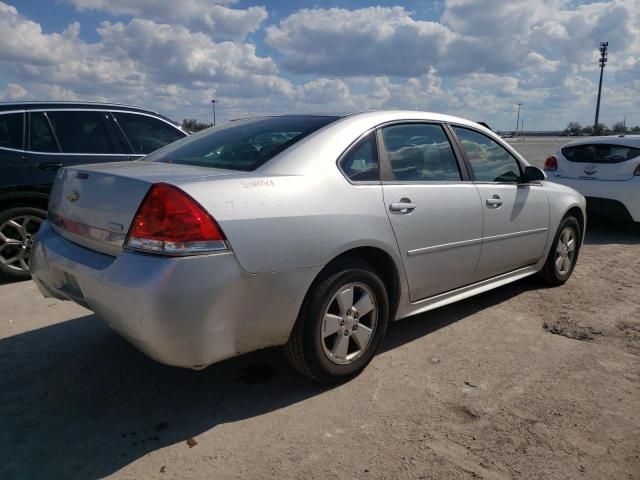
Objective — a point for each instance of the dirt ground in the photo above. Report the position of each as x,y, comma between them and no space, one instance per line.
520,382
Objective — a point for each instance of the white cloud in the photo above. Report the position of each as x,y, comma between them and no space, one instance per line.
214,17
13,92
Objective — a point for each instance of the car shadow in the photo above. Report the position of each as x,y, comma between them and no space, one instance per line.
601,231
77,401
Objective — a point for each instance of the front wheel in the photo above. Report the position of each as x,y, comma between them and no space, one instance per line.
563,255
341,325
17,229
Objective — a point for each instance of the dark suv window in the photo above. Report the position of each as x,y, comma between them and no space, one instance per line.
80,132
243,144
600,153
146,134
11,127
41,138
361,162
420,152
489,161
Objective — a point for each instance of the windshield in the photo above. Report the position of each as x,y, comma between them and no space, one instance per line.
241,145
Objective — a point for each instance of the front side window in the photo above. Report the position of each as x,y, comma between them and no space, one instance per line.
490,162
11,127
600,153
361,162
80,132
420,152
41,138
145,133
241,145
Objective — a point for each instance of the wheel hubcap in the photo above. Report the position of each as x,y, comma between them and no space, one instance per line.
349,322
16,239
565,250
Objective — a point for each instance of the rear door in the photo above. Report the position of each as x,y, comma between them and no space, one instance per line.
516,215
598,161
61,138
434,209
145,133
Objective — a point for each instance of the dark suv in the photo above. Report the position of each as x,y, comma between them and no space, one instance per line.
36,139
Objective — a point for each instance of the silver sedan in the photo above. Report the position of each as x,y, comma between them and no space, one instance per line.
311,232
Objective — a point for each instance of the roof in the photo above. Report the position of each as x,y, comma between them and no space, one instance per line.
34,105
625,140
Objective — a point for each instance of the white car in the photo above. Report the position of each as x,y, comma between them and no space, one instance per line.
606,170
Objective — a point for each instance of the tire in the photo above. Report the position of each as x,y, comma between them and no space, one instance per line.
17,226
552,273
316,352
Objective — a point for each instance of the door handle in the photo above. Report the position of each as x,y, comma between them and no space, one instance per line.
49,165
494,202
403,206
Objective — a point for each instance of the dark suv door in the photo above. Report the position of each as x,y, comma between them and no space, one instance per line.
61,138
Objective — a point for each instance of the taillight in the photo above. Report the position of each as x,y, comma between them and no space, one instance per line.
551,164
171,222
636,172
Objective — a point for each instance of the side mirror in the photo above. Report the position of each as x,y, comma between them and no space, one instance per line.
533,174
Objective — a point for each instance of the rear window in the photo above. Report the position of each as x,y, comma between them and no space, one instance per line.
599,153
241,145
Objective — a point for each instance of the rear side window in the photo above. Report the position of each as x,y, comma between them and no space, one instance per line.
145,133
489,160
599,153
41,138
243,144
11,128
420,152
80,132
360,164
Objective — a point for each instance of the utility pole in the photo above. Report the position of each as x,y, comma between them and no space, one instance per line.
602,62
213,105
518,119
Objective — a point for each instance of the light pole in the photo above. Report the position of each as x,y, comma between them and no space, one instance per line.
213,105
518,119
602,62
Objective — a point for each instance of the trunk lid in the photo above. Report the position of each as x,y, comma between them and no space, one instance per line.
94,205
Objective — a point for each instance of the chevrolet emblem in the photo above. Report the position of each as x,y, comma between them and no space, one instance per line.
73,196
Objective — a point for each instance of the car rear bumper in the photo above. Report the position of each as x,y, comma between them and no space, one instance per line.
181,311
626,192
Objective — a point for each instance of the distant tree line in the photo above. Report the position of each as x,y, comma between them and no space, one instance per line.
193,125
618,128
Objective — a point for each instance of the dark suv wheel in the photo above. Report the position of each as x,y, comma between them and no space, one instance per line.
17,228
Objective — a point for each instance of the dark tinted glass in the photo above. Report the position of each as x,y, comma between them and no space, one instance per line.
420,152
147,134
600,153
361,163
11,130
80,132
40,137
241,145
490,162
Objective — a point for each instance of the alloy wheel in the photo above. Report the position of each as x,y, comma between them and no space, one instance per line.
16,238
349,322
565,251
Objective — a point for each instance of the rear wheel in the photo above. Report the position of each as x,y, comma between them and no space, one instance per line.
341,325
17,229
563,254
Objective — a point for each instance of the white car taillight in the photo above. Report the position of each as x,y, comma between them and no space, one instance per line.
170,222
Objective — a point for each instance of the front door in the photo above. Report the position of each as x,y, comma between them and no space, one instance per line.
435,213
516,215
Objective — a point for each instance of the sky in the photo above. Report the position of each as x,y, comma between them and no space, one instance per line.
472,58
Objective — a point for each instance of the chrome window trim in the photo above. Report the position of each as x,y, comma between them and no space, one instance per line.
126,155
12,149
